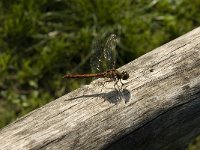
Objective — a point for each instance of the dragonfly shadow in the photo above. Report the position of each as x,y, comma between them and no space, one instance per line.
113,96
116,96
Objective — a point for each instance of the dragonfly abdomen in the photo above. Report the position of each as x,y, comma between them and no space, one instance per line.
99,75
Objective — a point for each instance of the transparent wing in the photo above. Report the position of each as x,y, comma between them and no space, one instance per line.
104,53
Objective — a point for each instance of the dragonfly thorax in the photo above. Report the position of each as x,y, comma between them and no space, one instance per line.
115,74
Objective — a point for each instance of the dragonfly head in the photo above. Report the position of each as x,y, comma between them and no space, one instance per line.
125,75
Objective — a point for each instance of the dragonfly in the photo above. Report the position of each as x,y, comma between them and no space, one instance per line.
103,61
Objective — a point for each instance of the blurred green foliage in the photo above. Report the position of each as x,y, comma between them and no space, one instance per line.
40,40
195,144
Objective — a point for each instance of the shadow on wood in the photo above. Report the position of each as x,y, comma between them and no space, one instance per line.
113,96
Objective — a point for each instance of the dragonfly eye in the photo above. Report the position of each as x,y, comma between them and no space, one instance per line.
125,75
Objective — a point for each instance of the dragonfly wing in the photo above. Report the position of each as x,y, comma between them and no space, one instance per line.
110,51
97,56
104,53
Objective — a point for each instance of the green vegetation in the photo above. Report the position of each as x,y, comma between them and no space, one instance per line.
195,145
40,40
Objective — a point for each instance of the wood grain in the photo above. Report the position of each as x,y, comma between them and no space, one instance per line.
158,108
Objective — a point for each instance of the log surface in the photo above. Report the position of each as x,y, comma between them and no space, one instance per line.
158,108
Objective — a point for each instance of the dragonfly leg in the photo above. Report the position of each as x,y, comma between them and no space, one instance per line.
102,83
116,84
118,89
121,82
109,80
106,80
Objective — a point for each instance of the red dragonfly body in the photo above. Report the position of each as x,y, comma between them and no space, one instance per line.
112,74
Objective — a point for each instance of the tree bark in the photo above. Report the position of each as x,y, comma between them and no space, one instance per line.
157,108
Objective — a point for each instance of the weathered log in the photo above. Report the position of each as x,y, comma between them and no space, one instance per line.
158,108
